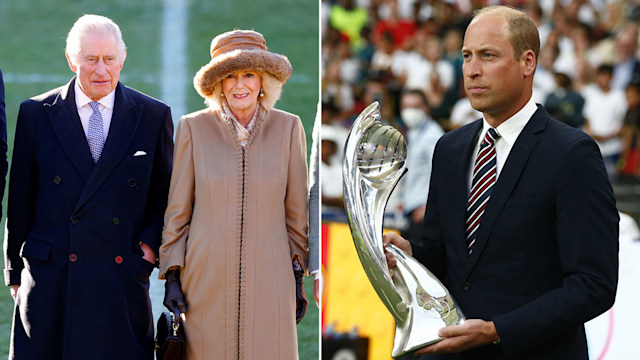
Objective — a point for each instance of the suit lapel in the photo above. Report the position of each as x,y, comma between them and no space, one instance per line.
459,194
124,122
66,124
513,167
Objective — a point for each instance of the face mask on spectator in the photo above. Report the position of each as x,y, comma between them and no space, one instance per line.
413,117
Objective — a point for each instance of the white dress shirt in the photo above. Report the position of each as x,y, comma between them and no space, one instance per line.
85,111
509,131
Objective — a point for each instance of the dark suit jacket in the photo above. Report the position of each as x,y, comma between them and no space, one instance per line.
546,254
74,227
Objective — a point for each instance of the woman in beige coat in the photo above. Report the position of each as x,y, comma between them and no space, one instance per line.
236,223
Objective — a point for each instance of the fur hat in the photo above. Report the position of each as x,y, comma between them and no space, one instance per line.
239,50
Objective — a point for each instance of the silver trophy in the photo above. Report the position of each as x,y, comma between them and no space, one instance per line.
374,162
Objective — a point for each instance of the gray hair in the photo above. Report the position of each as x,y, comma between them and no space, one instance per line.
93,24
272,89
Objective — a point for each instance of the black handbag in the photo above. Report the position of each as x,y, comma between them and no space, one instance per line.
170,343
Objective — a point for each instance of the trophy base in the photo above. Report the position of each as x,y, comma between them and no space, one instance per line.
429,303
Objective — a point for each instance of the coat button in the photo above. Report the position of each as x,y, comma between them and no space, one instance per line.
118,259
115,221
57,180
131,182
74,219
466,286
73,257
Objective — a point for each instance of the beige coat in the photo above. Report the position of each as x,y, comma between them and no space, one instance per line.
234,220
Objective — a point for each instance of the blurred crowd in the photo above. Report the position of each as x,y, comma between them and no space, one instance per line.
405,54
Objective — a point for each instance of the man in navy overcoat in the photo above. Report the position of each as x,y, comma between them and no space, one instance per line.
87,193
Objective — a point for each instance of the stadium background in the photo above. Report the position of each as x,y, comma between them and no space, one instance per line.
167,42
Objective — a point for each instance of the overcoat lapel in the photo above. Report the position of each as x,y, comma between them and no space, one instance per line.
513,167
68,128
124,122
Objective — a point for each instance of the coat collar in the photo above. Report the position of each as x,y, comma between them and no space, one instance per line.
513,167
66,123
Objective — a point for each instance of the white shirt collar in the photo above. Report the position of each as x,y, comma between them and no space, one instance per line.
82,99
511,128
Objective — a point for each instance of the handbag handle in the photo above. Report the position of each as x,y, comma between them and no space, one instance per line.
175,323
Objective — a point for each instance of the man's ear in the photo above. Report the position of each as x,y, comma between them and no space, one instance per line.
72,66
124,57
528,61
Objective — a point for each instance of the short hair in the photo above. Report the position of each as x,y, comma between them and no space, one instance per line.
605,69
97,25
523,32
417,93
271,87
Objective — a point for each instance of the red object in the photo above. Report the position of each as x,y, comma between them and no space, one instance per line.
73,257
325,251
118,259
631,163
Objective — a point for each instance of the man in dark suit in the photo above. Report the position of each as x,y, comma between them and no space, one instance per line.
87,193
521,224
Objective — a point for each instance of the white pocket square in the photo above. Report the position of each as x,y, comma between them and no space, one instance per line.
140,153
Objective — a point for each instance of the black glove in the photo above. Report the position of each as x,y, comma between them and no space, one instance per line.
301,296
173,297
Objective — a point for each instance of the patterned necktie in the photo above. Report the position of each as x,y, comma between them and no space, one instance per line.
484,176
95,133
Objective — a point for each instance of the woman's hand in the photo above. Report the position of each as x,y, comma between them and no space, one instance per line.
173,297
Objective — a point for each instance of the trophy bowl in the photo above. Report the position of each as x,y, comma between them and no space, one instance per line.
374,163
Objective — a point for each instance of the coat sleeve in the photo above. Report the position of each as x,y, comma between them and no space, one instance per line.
296,201
177,218
158,185
22,191
586,222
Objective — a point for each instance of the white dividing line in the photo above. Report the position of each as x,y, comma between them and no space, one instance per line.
174,77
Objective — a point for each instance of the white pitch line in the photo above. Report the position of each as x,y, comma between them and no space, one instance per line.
174,56
173,92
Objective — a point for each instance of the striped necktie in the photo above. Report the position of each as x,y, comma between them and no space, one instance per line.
484,176
95,132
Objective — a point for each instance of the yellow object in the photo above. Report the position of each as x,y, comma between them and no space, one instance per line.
351,301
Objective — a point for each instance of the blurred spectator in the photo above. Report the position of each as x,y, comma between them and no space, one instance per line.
349,20
334,90
422,135
383,56
630,161
399,30
331,170
627,66
564,103
543,82
463,113
534,10
604,112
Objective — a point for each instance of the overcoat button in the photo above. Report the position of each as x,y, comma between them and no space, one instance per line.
118,259
57,180
132,183
466,286
74,219
73,257
115,221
